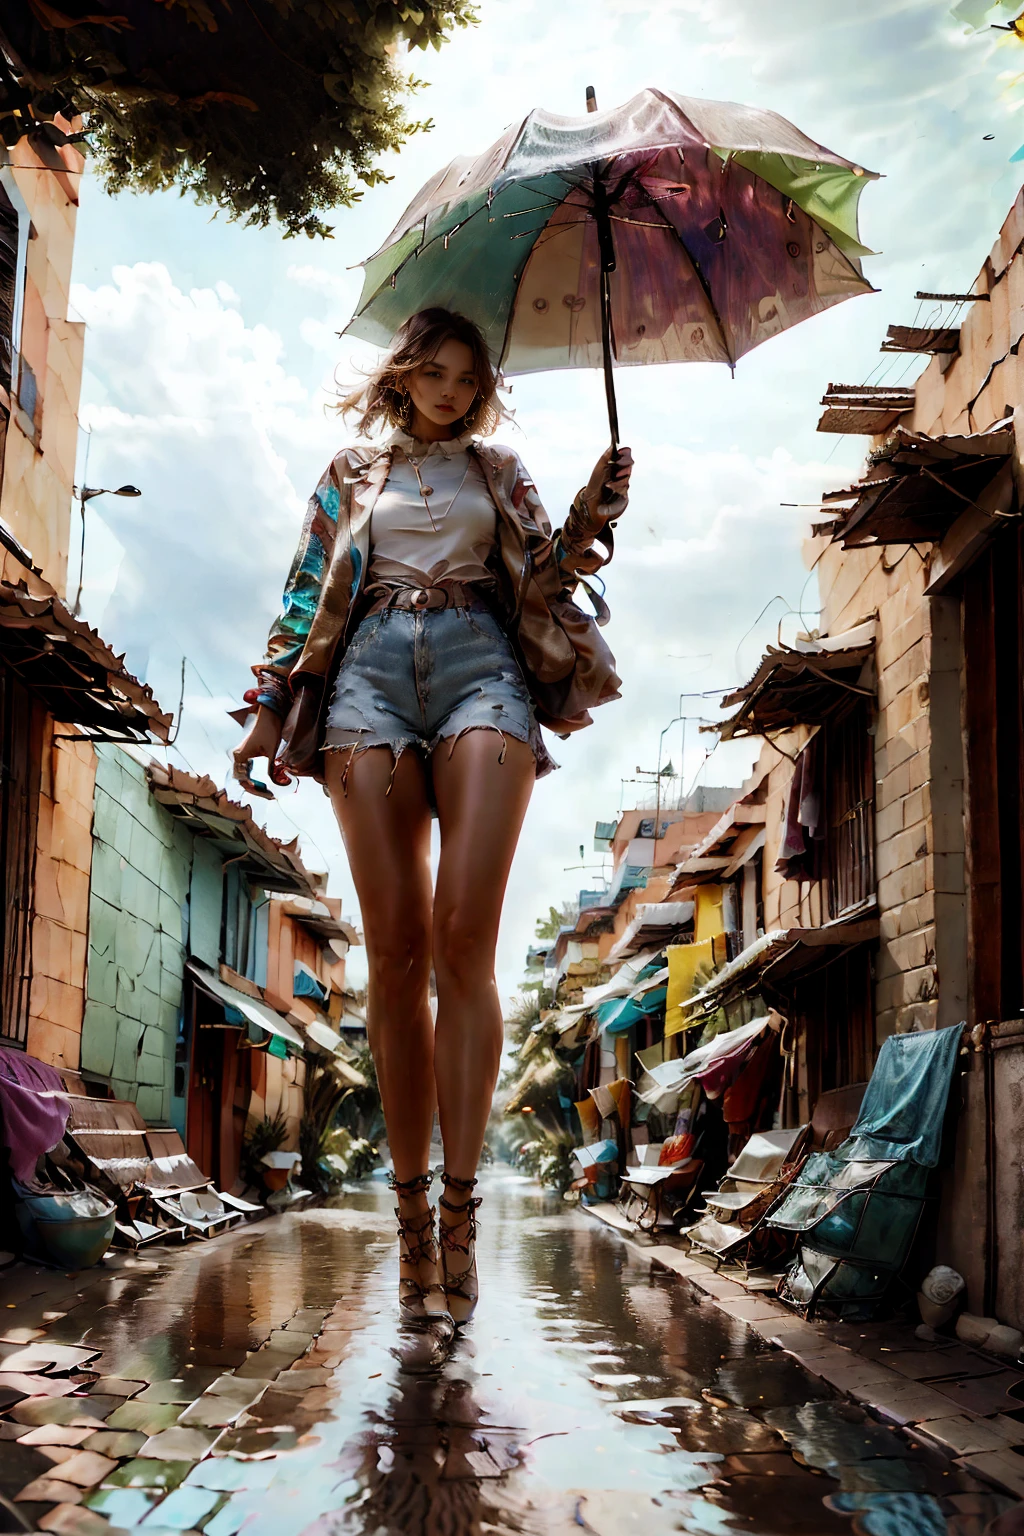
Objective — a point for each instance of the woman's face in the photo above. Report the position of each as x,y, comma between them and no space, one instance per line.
443,388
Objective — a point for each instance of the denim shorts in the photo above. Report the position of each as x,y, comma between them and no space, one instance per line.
417,678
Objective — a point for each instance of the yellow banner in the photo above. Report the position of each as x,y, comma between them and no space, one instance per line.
684,961
708,922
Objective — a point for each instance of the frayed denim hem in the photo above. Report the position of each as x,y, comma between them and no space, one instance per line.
399,744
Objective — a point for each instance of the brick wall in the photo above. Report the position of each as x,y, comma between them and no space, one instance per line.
60,921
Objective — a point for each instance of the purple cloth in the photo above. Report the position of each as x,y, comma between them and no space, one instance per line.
34,1108
804,829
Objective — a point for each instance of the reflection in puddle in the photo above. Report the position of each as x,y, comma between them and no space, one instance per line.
592,1394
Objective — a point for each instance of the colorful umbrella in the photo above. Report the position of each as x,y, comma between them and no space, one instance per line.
668,230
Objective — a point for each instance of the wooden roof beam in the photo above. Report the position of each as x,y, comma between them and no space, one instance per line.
922,338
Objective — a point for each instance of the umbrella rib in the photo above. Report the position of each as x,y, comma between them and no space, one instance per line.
702,280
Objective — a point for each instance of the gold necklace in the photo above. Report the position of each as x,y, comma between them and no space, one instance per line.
426,491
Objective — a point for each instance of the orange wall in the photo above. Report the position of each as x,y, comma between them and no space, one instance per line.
288,941
61,920
39,460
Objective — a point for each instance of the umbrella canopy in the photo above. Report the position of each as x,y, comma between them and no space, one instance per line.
671,229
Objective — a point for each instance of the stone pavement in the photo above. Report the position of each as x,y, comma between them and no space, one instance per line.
939,1392
247,1385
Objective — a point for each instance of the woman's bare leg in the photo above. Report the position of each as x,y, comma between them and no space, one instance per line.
387,838
481,803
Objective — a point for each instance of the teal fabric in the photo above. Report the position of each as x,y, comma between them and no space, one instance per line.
619,1014
862,1202
469,257
905,1104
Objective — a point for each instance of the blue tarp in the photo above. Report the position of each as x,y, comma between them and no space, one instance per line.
904,1106
861,1203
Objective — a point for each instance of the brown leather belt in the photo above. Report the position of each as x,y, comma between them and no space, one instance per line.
409,598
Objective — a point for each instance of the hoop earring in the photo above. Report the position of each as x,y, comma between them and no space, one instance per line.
402,407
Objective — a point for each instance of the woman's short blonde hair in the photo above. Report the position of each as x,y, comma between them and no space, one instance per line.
384,398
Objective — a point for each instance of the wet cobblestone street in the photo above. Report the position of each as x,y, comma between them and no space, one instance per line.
247,1385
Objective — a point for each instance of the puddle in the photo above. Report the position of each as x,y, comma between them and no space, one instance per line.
591,1394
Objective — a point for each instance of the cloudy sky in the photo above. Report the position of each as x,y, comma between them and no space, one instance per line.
212,354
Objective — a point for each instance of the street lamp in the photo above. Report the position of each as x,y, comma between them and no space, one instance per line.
86,493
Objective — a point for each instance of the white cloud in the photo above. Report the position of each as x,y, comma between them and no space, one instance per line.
329,285
319,335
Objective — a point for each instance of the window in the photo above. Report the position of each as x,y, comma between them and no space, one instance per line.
14,232
829,827
9,270
236,925
847,775
835,1006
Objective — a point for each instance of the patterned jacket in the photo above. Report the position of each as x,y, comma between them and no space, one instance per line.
567,666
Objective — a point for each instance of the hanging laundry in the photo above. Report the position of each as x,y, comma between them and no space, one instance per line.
800,850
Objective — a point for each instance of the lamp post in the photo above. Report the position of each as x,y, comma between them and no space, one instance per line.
86,493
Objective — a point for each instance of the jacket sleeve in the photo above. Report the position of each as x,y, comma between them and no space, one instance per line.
584,527
301,591
573,544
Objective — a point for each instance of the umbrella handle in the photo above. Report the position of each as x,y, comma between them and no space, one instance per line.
606,351
606,249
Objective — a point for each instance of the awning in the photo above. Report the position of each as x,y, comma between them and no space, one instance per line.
320,1034
624,980
597,916
671,1077
864,408
567,1024
802,684
655,922
249,1007
596,1153
780,953
733,840
920,485
268,862
618,1015
64,663
315,915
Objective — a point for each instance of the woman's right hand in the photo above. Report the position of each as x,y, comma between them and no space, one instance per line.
262,739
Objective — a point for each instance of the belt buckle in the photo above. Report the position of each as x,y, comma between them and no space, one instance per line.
421,598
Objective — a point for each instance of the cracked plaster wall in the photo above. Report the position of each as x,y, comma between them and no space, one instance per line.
138,913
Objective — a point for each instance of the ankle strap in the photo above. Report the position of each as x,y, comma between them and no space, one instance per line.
417,1186
450,1182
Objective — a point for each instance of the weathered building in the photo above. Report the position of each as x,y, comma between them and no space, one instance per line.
870,876
931,540
60,685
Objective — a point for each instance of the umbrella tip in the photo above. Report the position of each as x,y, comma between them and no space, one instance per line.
591,99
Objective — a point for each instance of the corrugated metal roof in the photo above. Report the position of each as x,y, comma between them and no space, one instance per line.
270,863
919,485
65,663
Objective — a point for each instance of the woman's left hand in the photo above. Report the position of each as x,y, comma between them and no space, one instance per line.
612,470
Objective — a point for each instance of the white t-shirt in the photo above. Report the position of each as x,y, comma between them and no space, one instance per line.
450,531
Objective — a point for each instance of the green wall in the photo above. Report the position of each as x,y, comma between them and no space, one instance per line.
138,932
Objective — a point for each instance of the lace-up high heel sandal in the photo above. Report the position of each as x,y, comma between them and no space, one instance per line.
459,1237
421,1299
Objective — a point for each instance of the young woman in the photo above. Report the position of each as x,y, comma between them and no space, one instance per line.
428,627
